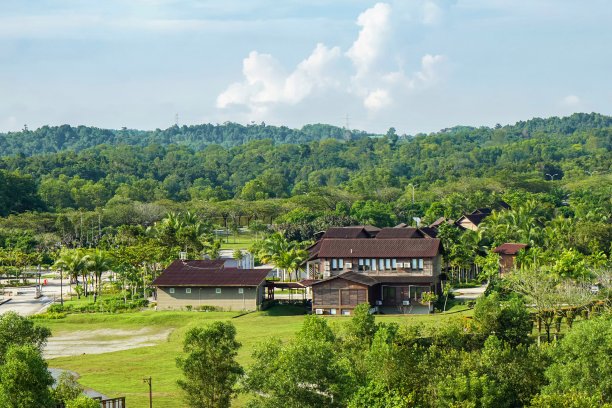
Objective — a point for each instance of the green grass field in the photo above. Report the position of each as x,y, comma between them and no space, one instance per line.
241,241
121,373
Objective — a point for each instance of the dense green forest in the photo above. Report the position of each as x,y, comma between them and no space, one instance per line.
54,139
380,168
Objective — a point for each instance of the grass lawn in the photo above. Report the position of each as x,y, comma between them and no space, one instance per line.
120,373
241,241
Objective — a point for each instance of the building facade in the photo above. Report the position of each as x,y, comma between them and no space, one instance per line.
388,268
194,284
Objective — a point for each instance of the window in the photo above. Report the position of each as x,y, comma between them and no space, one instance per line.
394,264
332,311
334,264
367,264
361,264
414,264
240,291
381,264
340,263
187,290
337,264
171,290
387,264
421,263
218,291
346,312
373,264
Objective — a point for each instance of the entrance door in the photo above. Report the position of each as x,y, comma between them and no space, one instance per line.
390,295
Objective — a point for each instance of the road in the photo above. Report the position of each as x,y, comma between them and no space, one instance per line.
24,303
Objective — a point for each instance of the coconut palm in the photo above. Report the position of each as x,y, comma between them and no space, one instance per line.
284,255
74,263
98,262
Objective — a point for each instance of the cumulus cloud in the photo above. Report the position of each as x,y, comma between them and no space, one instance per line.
375,78
375,28
377,99
265,81
571,101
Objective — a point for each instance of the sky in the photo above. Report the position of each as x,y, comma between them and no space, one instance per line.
415,65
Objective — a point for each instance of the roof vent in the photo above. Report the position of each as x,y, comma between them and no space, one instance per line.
183,256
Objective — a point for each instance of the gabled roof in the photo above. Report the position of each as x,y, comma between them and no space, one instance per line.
353,277
509,248
346,232
473,218
371,280
208,273
406,232
379,248
438,222
429,231
482,211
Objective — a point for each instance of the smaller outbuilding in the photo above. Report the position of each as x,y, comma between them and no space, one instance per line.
508,252
198,283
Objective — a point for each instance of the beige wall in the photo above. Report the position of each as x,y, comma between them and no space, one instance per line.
228,299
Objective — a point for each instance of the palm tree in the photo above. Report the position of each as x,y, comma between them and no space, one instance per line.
98,263
74,263
285,255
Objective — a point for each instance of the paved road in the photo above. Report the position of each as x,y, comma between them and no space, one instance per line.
26,304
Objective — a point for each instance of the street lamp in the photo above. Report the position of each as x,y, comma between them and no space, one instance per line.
412,185
552,176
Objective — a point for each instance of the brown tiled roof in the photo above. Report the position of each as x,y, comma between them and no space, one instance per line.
371,280
407,232
308,282
208,273
379,248
346,232
353,277
474,218
438,222
509,248
429,231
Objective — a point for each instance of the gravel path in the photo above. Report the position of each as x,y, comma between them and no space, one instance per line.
102,341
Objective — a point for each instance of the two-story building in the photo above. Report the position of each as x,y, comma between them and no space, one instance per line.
389,268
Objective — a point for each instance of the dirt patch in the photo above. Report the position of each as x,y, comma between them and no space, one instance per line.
102,341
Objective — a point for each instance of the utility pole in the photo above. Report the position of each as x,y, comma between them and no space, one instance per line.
149,381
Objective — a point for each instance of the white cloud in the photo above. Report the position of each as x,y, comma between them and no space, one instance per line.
571,101
265,81
375,80
377,99
368,46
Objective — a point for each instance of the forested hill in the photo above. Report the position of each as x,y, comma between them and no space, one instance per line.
50,139
58,138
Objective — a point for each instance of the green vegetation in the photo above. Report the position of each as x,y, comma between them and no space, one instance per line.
120,373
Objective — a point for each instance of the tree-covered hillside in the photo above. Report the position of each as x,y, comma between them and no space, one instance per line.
379,168
49,139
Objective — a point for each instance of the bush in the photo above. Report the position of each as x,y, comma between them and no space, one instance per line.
107,305
208,308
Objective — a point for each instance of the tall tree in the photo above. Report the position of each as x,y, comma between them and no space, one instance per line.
209,366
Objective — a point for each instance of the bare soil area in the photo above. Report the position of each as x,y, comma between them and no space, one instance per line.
102,341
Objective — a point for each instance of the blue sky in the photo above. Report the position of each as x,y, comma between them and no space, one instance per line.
416,65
